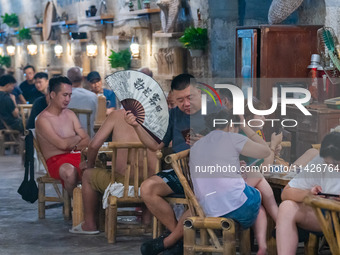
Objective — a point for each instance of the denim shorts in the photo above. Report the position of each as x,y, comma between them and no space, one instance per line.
246,214
170,178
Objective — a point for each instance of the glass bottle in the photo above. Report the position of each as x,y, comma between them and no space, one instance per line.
312,75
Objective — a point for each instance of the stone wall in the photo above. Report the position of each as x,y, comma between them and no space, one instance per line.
220,17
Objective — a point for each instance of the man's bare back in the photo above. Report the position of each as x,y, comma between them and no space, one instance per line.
123,133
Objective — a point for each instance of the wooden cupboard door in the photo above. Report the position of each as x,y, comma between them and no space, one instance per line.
246,62
285,53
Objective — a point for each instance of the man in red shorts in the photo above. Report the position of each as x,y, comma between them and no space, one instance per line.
60,135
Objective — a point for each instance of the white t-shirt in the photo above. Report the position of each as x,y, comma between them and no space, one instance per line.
84,99
222,192
317,173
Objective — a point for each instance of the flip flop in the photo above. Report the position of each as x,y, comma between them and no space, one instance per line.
79,230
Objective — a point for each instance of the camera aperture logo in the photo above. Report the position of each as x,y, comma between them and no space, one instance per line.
239,99
204,101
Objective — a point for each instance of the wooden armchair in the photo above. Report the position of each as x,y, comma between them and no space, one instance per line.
25,111
87,113
62,197
10,138
209,242
328,212
133,176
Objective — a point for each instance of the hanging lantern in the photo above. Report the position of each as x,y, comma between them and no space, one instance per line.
134,47
32,48
91,49
58,50
2,52
10,48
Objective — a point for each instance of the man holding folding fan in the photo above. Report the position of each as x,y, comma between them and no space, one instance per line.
185,127
96,180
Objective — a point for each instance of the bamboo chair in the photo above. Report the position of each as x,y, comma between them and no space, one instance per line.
316,146
158,227
126,201
328,212
10,138
206,225
88,113
62,197
25,111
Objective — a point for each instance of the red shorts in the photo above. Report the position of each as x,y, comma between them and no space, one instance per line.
54,163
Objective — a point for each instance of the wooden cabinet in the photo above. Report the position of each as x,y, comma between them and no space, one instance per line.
278,51
310,129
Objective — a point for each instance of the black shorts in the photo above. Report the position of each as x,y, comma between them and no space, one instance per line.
169,177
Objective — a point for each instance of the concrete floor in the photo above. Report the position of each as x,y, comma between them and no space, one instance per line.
21,232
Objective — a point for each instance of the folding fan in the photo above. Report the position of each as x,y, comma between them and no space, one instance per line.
328,47
143,96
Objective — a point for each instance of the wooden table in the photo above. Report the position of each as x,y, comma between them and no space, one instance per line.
276,181
97,126
310,129
103,156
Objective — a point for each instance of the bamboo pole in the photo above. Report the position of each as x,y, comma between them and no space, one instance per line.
229,243
189,238
245,248
78,210
127,173
210,222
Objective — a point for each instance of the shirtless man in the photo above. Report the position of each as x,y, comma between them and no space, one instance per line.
96,180
60,135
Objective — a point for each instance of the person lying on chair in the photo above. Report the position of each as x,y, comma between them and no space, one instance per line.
60,135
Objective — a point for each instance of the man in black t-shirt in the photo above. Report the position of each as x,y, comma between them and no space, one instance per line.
29,91
9,112
41,83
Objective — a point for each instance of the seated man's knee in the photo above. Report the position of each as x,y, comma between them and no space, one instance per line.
287,206
147,187
67,171
87,175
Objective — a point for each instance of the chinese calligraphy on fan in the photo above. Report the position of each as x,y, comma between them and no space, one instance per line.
147,92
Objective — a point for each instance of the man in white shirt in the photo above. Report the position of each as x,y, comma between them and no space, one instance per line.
82,98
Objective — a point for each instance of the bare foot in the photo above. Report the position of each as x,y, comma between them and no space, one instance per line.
88,228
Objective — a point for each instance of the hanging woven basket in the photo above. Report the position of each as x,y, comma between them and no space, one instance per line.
280,9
